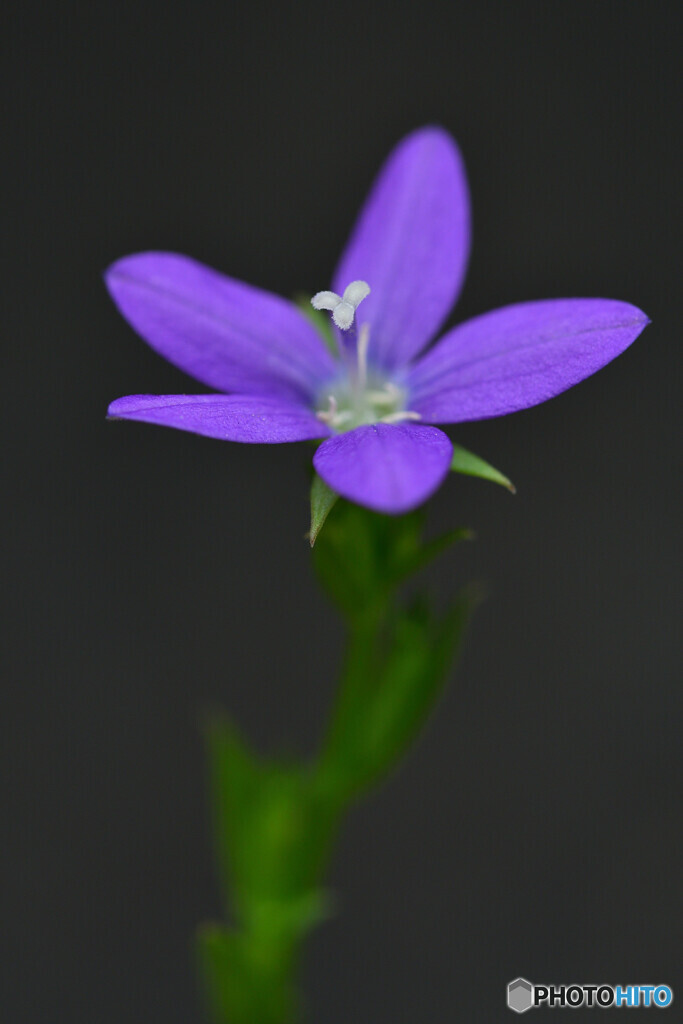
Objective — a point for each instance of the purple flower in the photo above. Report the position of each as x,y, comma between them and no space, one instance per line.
375,399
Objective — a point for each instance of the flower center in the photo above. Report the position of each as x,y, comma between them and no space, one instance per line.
360,395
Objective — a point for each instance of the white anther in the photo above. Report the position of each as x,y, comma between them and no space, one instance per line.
343,307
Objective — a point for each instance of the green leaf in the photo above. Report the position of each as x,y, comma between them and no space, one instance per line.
272,827
320,320
431,548
322,500
470,464
419,653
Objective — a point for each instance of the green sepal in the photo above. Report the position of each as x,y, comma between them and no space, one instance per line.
431,548
471,465
362,556
322,500
320,320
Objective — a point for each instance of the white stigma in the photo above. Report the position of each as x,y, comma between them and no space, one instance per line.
343,307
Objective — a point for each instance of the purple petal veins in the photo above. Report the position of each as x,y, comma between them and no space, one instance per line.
251,419
411,244
518,356
405,262
226,334
387,467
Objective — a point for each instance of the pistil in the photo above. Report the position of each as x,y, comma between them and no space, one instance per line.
362,356
360,399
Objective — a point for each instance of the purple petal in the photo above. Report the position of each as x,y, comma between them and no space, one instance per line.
246,418
389,467
227,334
410,244
518,356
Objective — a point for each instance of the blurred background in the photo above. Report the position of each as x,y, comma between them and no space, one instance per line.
536,830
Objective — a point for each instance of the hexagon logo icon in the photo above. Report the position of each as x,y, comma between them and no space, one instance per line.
520,995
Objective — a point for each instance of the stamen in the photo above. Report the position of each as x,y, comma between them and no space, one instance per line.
379,397
328,415
343,308
400,417
360,391
392,390
389,395
332,416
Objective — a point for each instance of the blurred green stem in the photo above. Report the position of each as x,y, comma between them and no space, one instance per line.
275,821
359,671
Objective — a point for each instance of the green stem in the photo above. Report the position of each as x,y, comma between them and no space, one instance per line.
276,822
341,748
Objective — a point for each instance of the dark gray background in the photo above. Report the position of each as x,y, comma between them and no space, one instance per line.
536,830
